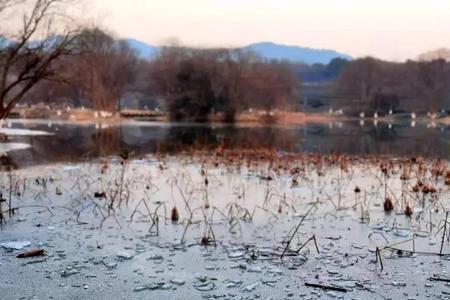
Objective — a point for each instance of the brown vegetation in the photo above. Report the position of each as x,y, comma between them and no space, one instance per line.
379,86
102,68
195,83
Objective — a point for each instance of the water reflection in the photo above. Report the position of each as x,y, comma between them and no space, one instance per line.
79,142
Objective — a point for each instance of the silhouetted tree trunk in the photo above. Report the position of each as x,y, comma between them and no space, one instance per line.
24,62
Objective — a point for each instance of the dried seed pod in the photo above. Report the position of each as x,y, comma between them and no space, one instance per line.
32,253
99,195
384,169
425,189
124,155
204,241
295,170
174,216
408,211
388,205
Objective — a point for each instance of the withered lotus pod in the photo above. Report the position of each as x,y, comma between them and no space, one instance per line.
388,205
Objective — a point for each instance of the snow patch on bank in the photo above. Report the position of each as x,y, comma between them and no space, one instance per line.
22,132
7,147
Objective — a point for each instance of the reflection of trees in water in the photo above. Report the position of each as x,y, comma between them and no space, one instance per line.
351,139
7,163
77,143
371,139
131,139
107,142
205,137
429,142
67,144
404,140
73,143
399,140
270,138
181,138
354,139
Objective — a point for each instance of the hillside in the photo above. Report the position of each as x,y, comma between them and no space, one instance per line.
295,54
266,50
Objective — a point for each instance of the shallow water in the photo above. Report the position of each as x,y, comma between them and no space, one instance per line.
72,142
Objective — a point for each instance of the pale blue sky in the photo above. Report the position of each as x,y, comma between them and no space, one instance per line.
390,29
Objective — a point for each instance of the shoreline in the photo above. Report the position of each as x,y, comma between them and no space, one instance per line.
89,117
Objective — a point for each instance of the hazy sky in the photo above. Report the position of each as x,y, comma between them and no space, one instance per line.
390,29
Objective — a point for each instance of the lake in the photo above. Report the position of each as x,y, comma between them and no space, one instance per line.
71,142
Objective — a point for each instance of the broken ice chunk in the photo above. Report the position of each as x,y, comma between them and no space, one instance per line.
15,245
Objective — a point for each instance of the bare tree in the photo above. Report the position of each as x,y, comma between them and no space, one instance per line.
182,77
433,82
381,85
360,81
231,82
272,85
103,68
196,82
28,55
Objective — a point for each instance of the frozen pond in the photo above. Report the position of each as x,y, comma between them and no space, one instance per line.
242,213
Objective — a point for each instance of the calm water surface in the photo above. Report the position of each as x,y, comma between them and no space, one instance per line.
75,142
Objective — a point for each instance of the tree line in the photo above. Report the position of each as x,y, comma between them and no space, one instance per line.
87,66
43,61
195,83
191,83
375,86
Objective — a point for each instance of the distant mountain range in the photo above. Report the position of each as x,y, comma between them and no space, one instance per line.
143,50
295,54
266,50
441,53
